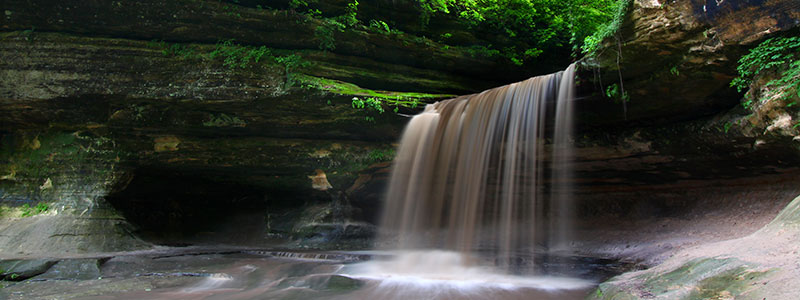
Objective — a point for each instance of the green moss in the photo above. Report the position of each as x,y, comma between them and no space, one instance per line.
701,278
408,99
728,284
43,166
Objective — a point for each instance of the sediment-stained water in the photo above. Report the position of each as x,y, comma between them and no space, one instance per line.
265,274
488,171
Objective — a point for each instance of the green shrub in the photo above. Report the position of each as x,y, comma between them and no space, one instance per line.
291,63
603,31
349,18
530,26
324,33
238,56
779,56
380,26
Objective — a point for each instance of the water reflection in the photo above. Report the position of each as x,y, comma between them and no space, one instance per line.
249,275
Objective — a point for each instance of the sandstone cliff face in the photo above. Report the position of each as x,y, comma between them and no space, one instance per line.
100,106
675,59
109,124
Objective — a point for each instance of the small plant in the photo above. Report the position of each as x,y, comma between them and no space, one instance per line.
28,33
176,49
727,126
381,154
291,63
299,4
223,120
379,26
28,211
231,10
349,18
314,13
325,34
238,56
674,71
370,104
615,92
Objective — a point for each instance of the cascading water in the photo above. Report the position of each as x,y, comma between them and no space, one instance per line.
470,191
469,174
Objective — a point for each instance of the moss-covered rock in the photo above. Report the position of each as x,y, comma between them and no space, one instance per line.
761,265
364,57
17,270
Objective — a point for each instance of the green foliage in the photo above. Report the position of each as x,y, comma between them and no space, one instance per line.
238,56
368,103
397,99
530,26
615,92
482,51
779,56
349,17
727,126
174,50
223,120
231,10
324,33
28,211
674,71
291,63
382,28
381,154
28,33
300,4
606,30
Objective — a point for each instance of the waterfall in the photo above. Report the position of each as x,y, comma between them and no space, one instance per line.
471,173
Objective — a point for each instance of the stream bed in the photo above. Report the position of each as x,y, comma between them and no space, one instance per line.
273,274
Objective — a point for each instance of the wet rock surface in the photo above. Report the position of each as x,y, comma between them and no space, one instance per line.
17,270
757,266
246,273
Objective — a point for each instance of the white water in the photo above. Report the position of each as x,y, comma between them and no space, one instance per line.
471,176
438,269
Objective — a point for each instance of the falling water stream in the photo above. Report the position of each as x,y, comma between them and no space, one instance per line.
470,171
472,201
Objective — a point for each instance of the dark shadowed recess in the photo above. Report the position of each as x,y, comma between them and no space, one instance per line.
179,208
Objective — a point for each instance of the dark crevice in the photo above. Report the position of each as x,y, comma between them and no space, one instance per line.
172,208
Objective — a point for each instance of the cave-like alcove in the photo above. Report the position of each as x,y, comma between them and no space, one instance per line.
175,208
